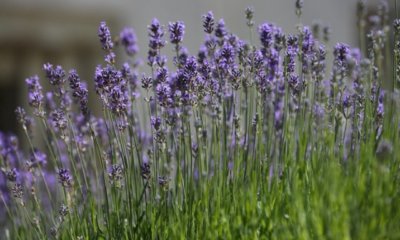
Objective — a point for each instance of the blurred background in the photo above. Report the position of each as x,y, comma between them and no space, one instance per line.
65,32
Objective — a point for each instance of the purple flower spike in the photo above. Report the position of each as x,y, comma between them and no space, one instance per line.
118,100
105,36
80,91
55,75
176,32
33,83
266,32
208,22
38,157
155,122
380,111
156,34
59,119
340,52
12,175
35,99
156,42
35,95
129,41
17,191
64,178
163,92
74,80
220,30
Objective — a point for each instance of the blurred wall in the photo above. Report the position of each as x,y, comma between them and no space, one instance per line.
65,32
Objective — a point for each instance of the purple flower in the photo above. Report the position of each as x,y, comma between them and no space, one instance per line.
319,112
202,54
294,83
128,74
161,74
59,119
340,52
380,111
105,36
340,64
116,173
208,22
23,119
81,142
12,175
163,182
228,53
74,80
266,32
80,91
55,75
291,54
156,42
307,48
346,100
273,64
145,170
156,34
118,100
35,95
147,82
183,56
38,157
279,39
64,178
176,31
106,78
307,41
49,101
220,30
163,92
110,58
129,41
33,83
155,122
190,67
35,99
318,62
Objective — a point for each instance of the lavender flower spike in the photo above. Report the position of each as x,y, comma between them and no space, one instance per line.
176,31
65,178
156,34
129,41
266,32
80,91
105,36
35,95
221,31
208,22
55,75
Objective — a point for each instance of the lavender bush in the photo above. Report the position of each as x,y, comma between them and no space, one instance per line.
244,140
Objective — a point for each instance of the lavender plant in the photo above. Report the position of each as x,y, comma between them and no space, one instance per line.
244,140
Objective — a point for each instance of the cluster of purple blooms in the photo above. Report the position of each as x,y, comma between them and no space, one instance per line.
230,85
